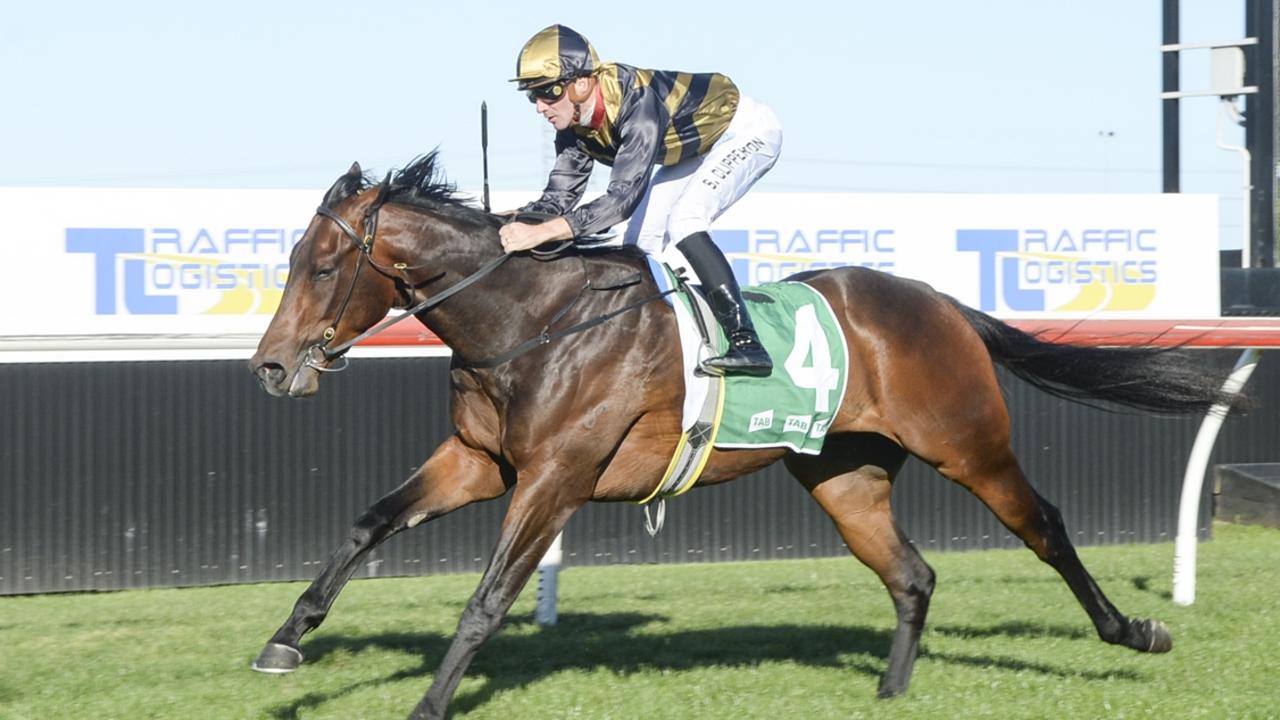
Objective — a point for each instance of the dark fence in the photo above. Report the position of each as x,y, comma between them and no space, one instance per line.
125,475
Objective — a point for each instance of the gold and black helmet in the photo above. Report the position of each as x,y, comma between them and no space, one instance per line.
555,53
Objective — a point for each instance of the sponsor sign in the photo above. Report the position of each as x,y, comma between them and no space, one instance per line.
1063,256
207,267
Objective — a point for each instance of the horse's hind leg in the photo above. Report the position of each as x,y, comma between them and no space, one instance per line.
454,476
852,480
1000,484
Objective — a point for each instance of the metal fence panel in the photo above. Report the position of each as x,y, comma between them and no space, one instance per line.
125,475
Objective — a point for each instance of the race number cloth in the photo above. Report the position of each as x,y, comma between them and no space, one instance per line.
793,407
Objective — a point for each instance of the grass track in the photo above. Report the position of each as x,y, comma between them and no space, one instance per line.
788,639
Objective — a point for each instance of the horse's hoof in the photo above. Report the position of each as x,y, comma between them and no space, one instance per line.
1161,639
276,658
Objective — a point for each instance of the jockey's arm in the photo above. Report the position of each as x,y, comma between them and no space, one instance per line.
564,188
641,129
641,141
519,236
568,178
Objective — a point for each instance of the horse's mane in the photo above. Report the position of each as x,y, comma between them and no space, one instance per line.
421,184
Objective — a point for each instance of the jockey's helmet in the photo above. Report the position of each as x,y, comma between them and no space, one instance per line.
555,53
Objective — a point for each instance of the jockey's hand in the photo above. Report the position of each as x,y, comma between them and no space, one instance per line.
518,236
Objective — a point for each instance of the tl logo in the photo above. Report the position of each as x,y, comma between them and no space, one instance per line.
166,272
106,244
1035,269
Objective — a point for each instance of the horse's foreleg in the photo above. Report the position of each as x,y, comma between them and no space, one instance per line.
453,477
1004,489
539,509
853,482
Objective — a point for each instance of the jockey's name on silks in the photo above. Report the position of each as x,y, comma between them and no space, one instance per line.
794,406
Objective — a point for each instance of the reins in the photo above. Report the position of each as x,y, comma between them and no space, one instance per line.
365,245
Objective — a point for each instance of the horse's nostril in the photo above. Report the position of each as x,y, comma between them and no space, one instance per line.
270,372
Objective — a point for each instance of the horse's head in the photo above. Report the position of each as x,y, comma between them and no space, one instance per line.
333,292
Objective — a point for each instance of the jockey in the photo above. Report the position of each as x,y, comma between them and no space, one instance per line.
710,145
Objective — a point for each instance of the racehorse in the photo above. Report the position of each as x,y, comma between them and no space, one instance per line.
566,387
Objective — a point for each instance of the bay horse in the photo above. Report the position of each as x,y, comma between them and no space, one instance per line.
595,415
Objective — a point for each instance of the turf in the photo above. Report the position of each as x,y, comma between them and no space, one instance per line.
786,639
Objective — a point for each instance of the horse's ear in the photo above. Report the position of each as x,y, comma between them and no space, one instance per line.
345,186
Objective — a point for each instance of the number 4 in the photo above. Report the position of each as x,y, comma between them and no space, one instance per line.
811,343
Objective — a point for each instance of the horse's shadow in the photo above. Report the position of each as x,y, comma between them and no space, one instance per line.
589,642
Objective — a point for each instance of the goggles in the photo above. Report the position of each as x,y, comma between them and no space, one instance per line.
549,93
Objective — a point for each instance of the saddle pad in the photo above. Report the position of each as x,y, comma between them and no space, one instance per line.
794,406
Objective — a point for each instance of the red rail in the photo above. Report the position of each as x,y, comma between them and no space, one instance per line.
1262,332
1209,333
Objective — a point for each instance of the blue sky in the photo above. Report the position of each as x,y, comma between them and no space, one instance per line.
925,96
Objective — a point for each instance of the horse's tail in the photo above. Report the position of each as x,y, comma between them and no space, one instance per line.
1158,380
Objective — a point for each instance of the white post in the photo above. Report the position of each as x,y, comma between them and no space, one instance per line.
1184,548
548,583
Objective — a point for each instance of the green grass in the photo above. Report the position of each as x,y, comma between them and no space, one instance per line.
777,640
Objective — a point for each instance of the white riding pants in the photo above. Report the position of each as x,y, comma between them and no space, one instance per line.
685,198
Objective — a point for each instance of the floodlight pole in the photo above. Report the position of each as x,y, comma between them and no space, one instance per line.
1260,130
1169,124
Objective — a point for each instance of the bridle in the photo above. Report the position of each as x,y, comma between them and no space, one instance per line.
321,352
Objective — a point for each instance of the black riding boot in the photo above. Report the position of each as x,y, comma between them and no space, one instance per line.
746,356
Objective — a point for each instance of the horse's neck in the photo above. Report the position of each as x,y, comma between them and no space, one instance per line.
506,307
511,304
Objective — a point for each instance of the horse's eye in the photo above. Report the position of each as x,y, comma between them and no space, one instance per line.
323,273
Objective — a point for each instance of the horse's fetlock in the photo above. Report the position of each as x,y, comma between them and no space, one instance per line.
1114,632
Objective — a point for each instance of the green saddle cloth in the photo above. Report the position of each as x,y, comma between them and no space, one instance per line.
794,406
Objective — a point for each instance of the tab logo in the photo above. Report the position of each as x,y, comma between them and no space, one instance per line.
819,428
797,423
761,421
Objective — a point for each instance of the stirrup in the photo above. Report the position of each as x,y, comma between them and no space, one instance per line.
739,361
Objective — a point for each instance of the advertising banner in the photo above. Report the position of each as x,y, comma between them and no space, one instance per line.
1062,256
206,268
